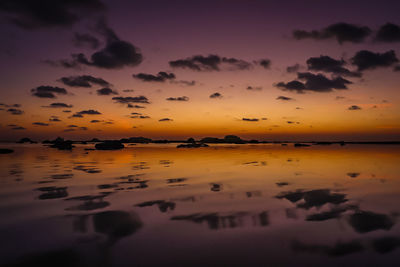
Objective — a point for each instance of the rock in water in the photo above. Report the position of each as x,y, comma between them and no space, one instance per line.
109,145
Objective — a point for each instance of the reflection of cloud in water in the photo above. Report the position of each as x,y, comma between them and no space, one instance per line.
163,205
215,187
52,192
217,221
339,249
353,174
87,169
367,221
90,202
313,198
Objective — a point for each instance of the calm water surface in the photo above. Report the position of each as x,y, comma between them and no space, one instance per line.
224,205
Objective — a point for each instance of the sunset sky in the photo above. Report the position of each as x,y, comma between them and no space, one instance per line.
269,70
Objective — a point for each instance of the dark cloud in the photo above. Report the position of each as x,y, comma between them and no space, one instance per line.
106,91
165,119
15,111
140,117
354,107
254,88
44,91
342,32
265,63
292,69
179,98
131,99
328,64
210,63
365,59
83,81
388,33
249,119
85,40
284,98
72,126
40,124
31,15
396,68
160,77
80,114
95,121
216,95
115,55
314,82
58,105
135,106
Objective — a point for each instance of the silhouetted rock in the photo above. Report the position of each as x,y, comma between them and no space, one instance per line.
300,145
26,140
6,151
109,145
141,140
191,140
233,139
60,143
192,145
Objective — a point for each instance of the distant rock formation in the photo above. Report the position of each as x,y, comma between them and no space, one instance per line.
26,140
109,145
192,145
6,151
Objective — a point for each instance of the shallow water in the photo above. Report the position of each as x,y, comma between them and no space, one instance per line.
222,205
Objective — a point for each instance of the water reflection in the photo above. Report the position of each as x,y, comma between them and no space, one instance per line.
236,204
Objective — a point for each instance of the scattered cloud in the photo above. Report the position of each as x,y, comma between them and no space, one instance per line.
210,63
83,81
58,105
45,91
328,64
160,77
32,15
354,107
106,91
284,98
250,119
216,95
180,98
165,119
366,60
131,99
40,124
15,111
292,69
85,40
388,33
254,88
342,32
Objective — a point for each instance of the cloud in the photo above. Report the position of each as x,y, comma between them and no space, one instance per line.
85,40
284,98
250,119
389,33
210,63
314,82
292,69
32,15
365,59
342,32
80,114
328,64
265,63
72,126
254,88
140,117
45,91
115,55
216,95
354,107
106,91
83,81
180,98
95,121
15,111
160,77
40,124
135,106
187,83
165,119
58,105
131,99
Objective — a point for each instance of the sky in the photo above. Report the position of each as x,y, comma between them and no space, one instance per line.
266,70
